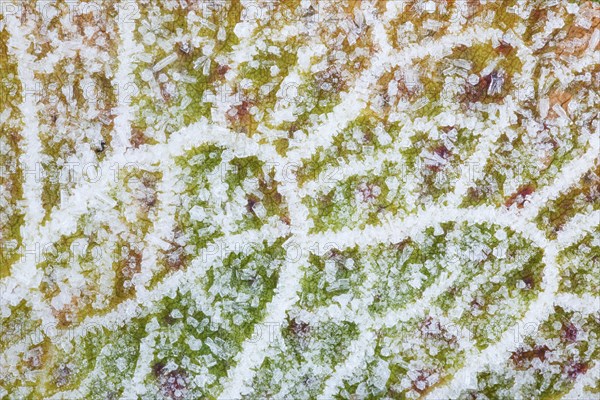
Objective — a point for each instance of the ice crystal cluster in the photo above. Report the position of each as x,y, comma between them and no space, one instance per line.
300,199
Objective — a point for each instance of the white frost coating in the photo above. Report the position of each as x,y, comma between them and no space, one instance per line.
357,353
18,45
586,304
164,62
143,367
163,225
63,221
86,197
577,227
342,114
124,79
569,174
253,351
395,231
147,299
469,173
586,380
538,311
